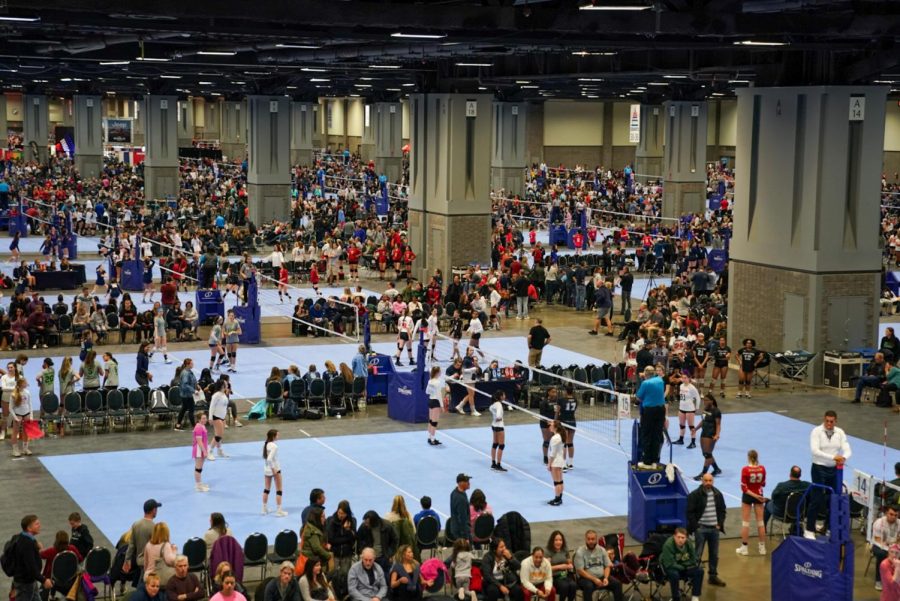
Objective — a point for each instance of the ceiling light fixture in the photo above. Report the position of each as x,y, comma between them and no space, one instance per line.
290,87
420,36
111,63
205,83
482,88
239,83
408,85
20,19
170,76
256,72
738,81
150,59
361,85
384,66
297,46
313,70
675,76
757,43
589,79
587,53
718,94
474,64
658,83
216,53
529,87
318,79
522,81
592,6
393,90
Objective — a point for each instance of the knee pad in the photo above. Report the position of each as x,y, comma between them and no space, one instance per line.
218,438
199,470
570,445
501,446
707,455
433,424
546,444
745,524
557,483
496,445
277,493
266,491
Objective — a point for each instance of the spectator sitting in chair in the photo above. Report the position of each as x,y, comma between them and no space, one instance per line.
778,503
885,532
679,560
890,385
875,375
890,346
366,581
183,585
593,566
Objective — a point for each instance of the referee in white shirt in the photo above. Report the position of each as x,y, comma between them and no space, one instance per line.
830,449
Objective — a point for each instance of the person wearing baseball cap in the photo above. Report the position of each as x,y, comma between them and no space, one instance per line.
141,532
459,526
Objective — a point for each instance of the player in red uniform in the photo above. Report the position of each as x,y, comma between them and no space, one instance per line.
753,479
408,257
396,258
578,242
314,277
381,257
353,255
283,283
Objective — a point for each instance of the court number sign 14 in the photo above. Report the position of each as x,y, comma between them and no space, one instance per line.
857,108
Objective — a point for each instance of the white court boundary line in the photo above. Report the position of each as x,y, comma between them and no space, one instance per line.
444,434
352,461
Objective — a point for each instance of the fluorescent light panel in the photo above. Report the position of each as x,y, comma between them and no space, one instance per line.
20,19
297,46
150,59
419,36
313,70
474,64
615,7
384,66
757,43
216,53
111,63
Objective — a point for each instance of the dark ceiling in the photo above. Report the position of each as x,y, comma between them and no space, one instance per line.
513,48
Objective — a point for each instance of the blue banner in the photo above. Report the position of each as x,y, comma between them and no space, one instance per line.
248,317
717,259
407,401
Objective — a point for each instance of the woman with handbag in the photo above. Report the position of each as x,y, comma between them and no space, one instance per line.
314,544
314,586
405,579
160,554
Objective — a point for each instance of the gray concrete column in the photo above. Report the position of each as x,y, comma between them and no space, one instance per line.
388,119
508,160
303,126
4,124
648,156
606,151
234,129
35,125
269,169
161,162
88,135
138,134
805,259
212,120
367,146
450,180
185,123
684,159
534,132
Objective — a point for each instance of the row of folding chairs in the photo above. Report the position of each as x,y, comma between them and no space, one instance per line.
100,409
332,395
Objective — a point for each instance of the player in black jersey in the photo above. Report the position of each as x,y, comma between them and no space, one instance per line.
720,366
549,412
566,408
750,358
700,357
455,330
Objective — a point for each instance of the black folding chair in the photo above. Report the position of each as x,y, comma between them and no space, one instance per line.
255,548
195,551
285,547
427,535
97,565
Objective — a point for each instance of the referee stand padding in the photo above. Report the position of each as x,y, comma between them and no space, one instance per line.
819,569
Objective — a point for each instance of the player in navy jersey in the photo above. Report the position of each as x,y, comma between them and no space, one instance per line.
749,358
721,356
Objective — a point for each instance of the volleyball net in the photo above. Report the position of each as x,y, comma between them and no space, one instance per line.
600,405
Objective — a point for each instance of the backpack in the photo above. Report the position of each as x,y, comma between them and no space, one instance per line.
289,410
8,559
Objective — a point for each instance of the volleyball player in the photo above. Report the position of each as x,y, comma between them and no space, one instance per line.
218,411
700,356
405,328
431,333
498,435
566,411
721,356
435,391
455,331
215,345
548,411
200,451
272,471
160,342
557,462
283,277
688,404
750,358
474,331
710,429
232,332
753,480
148,278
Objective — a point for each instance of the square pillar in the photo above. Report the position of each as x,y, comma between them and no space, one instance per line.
36,127
805,265
508,159
684,159
303,125
161,162
648,156
450,205
88,135
185,123
269,169
388,121
234,129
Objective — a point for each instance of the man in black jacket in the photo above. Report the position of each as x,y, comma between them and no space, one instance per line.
27,577
706,519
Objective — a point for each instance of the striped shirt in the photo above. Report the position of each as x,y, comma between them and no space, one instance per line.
709,517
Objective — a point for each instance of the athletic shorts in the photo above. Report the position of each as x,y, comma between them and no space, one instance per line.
404,336
497,428
476,336
218,419
748,369
747,499
720,364
568,424
434,404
